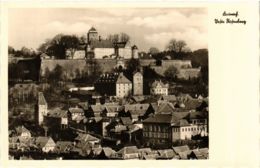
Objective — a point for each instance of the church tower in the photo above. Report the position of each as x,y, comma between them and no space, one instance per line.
138,83
92,34
42,109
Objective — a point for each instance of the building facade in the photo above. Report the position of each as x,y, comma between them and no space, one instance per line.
138,84
159,88
123,86
42,108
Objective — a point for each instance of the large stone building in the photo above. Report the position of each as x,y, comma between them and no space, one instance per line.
42,109
113,84
98,48
123,86
167,128
138,84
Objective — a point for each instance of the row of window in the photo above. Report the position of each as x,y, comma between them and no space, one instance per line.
188,129
155,135
156,128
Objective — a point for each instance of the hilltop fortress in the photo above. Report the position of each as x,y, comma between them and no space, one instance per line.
110,55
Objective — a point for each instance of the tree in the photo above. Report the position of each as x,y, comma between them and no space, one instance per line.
171,72
58,45
153,50
122,37
56,74
177,46
114,38
11,50
131,66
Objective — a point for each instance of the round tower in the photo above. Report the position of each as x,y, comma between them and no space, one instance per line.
92,34
134,52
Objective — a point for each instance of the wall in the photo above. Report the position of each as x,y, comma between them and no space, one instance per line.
188,73
100,52
125,52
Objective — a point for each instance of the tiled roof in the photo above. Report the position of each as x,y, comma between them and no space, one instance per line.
102,44
166,118
57,112
76,110
122,79
168,97
41,99
128,150
182,122
42,141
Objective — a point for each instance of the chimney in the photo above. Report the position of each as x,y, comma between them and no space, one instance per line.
99,38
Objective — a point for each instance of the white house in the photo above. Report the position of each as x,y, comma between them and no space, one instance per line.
159,88
123,86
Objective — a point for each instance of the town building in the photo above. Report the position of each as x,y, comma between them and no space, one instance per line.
42,108
123,86
23,132
56,119
159,88
163,128
138,84
46,144
114,84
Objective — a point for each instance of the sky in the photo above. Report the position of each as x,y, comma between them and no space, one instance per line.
147,27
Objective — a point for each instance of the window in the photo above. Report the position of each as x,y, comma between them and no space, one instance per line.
185,129
189,129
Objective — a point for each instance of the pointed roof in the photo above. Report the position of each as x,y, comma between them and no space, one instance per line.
92,29
41,99
122,79
134,47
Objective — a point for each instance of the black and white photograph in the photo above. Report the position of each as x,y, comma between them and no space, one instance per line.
108,83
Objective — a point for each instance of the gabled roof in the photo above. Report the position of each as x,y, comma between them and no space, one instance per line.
165,107
63,146
166,154
83,105
172,118
122,79
41,99
86,138
42,141
128,150
168,97
21,129
97,108
179,149
108,151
